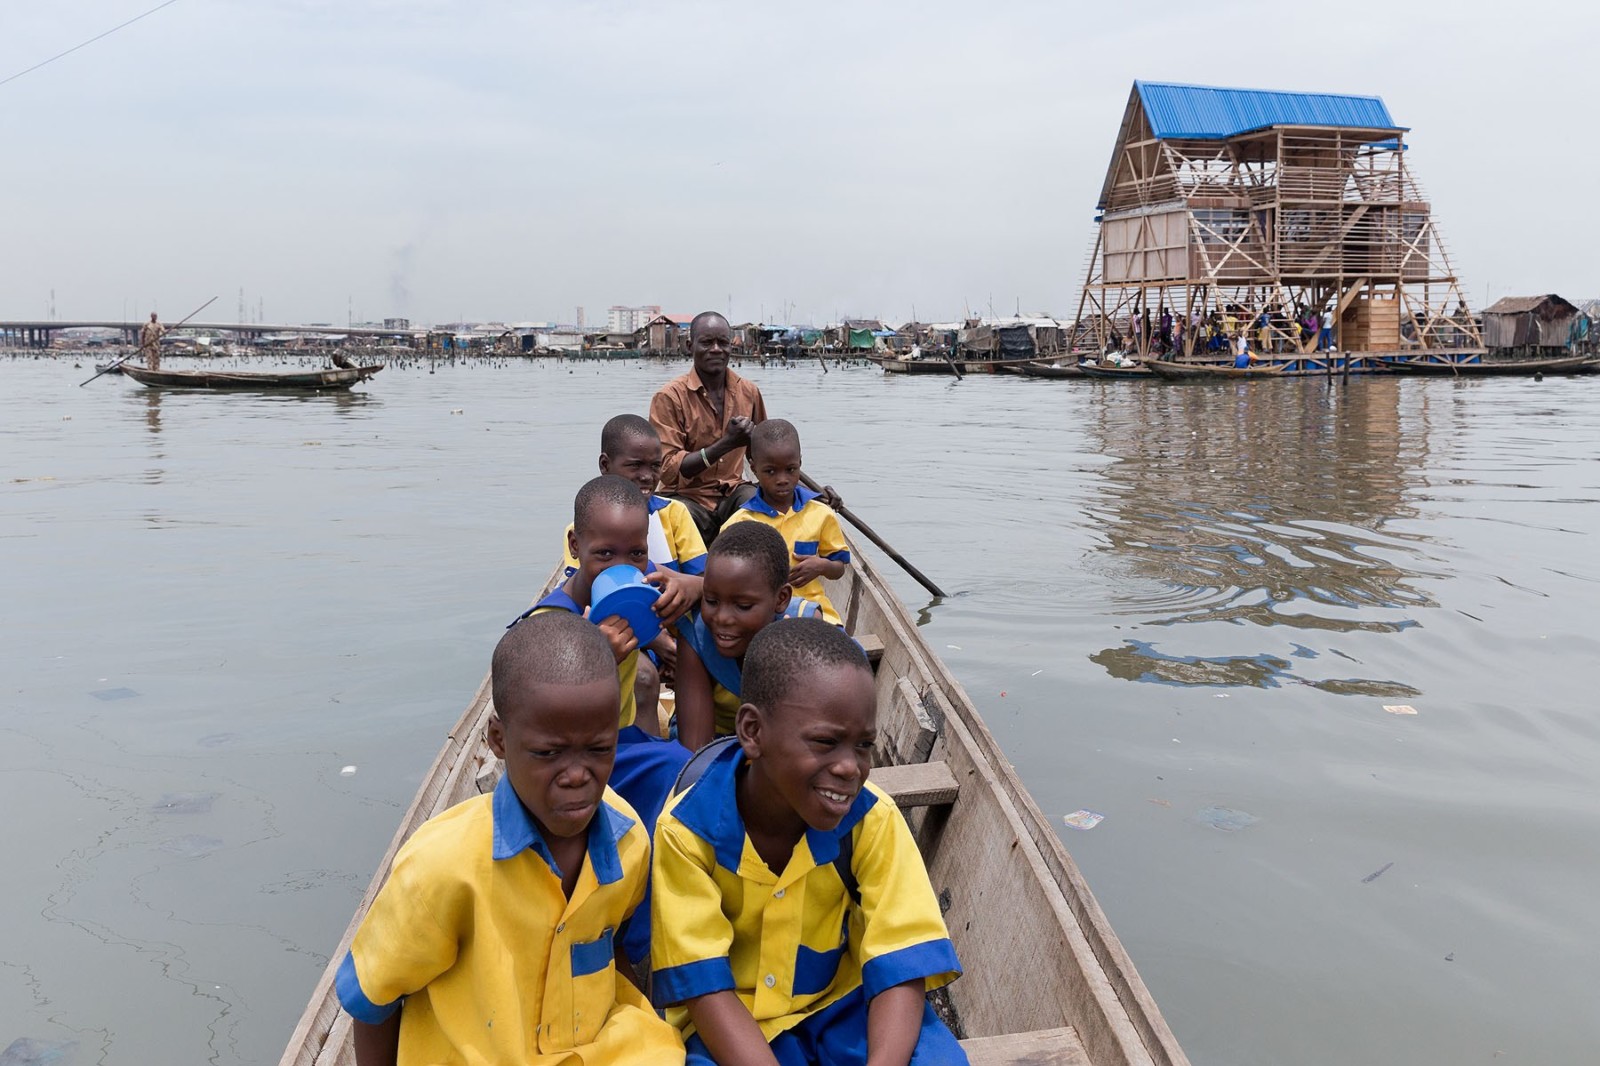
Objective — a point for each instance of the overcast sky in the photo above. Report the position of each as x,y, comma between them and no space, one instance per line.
512,160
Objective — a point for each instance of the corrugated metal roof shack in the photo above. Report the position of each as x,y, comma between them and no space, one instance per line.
1529,323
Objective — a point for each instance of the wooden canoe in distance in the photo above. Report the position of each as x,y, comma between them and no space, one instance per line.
1050,370
1046,980
1112,372
241,380
940,365
1570,364
1211,371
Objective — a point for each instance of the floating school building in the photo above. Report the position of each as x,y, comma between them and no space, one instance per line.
1256,210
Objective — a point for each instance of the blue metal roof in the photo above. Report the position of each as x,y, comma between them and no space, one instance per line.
1204,113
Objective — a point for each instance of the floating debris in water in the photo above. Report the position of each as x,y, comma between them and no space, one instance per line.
1083,819
457,410
184,803
1036,673
191,845
26,1051
1399,708
1448,958
1160,802
114,694
217,740
953,647
347,771
1225,818
1374,875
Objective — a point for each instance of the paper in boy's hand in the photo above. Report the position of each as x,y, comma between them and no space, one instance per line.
1083,819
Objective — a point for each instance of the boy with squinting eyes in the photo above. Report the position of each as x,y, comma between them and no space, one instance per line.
764,952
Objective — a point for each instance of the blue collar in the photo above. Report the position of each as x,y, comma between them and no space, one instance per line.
711,812
802,496
723,670
657,503
514,833
559,598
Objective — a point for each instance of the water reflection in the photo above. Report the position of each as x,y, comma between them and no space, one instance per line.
1265,504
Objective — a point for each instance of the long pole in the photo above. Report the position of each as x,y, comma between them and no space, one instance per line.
135,352
871,534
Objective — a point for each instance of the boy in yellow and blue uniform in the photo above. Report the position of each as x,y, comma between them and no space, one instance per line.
492,939
761,949
809,526
746,589
630,447
609,528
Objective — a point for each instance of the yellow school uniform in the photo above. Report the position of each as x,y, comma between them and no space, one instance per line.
788,944
627,669
809,528
493,962
675,541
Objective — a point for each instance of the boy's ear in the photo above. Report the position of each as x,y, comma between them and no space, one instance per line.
572,542
785,594
496,735
605,463
747,727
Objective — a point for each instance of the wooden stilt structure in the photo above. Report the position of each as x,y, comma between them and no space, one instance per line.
1244,212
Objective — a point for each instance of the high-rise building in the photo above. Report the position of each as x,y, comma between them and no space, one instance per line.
622,319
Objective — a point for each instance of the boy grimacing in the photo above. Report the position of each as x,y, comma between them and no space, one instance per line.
493,939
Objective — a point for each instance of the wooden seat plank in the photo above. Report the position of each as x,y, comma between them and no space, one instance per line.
1041,1047
921,784
872,645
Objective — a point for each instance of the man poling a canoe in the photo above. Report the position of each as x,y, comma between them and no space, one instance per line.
150,335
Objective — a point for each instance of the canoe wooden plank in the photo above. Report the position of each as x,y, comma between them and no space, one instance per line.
872,645
923,784
1041,1047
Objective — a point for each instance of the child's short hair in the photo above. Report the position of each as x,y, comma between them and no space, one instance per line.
760,544
772,432
623,428
549,648
784,652
602,491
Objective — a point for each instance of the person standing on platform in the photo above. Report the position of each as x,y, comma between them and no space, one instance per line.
704,418
150,335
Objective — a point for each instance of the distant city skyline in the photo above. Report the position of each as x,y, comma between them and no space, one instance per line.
514,161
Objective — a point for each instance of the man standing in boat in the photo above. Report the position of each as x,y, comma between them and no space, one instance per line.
150,335
704,418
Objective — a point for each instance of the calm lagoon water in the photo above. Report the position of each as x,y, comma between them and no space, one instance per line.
1185,608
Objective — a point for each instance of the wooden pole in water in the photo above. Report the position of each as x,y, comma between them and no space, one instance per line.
888,549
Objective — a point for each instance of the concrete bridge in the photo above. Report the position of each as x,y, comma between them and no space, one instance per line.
21,334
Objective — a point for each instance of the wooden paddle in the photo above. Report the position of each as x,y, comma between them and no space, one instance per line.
868,532
136,351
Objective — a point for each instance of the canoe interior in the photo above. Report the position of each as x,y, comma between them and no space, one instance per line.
1038,953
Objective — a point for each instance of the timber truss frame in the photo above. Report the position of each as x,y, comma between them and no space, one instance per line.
1272,224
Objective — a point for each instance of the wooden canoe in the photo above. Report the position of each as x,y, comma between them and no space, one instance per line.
1211,371
1046,980
1049,370
1111,372
941,365
240,380
1571,364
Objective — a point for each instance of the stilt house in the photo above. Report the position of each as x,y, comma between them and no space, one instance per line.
1261,209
